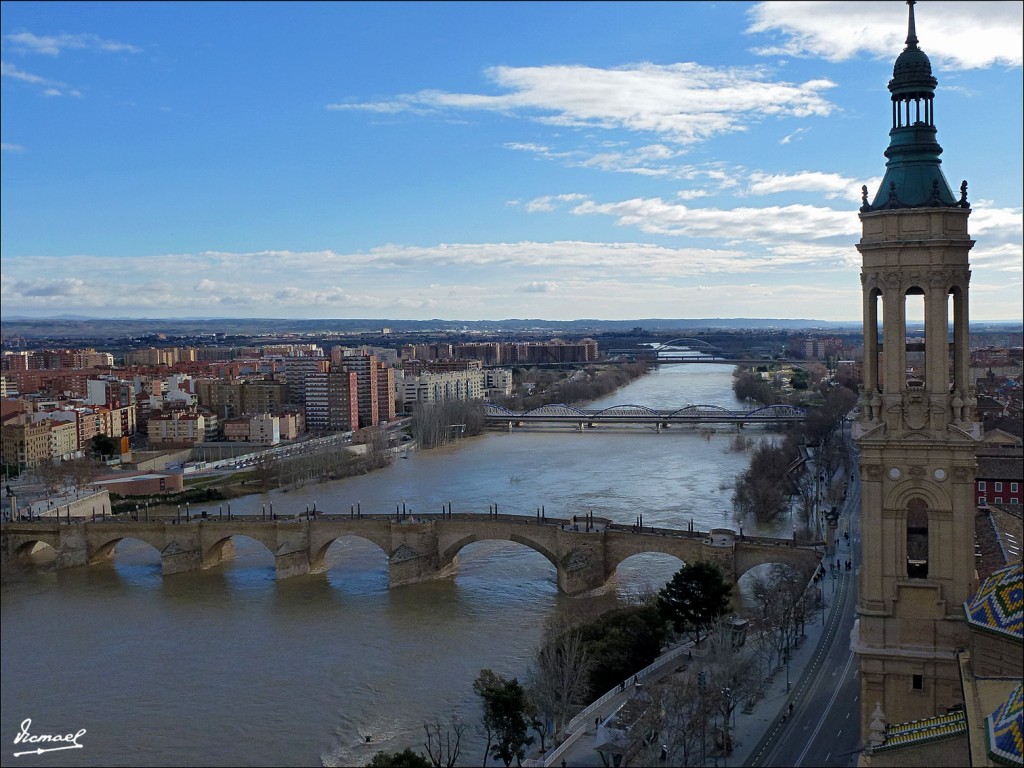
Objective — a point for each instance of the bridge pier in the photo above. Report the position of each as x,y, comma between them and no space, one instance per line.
73,549
409,567
291,564
582,566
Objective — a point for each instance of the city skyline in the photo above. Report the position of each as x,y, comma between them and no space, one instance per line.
482,161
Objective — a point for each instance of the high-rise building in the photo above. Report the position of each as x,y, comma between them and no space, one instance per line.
916,431
365,368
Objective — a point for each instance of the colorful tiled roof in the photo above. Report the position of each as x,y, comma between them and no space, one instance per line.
998,606
919,731
1003,730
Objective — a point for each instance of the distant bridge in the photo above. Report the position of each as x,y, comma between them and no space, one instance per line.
418,547
497,415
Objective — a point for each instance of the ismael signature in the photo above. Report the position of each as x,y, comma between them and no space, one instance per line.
67,740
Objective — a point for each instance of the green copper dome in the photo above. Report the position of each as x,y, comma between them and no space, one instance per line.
913,173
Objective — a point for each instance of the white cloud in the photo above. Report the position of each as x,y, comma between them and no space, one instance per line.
996,222
1007,257
682,103
769,225
7,147
11,71
551,202
537,287
789,137
52,45
954,35
49,87
831,184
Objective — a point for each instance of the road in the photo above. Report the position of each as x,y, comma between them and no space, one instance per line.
824,729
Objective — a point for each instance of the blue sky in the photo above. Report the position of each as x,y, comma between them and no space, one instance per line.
611,160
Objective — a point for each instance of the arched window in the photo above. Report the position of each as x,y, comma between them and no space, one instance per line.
914,313
917,539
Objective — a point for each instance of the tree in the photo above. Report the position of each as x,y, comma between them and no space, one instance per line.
558,677
444,749
404,759
505,716
105,445
673,714
694,598
730,675
620,643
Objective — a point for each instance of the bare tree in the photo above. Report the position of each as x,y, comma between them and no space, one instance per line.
444,741
558,678
730,676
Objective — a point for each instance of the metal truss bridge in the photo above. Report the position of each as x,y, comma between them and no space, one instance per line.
496,415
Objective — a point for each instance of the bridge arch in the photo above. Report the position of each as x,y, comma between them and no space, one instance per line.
780,409
223,548
697,345
448,555
29,546
652,569
803,559
700,410
556,409
103,548
318,553
626,410
105,551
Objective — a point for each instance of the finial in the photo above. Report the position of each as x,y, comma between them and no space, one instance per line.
911,29
963,195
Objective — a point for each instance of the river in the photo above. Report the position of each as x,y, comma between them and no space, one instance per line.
229,667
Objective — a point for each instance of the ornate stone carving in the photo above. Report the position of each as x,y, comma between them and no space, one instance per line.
874,471
917,472
957,406
915,411
876,406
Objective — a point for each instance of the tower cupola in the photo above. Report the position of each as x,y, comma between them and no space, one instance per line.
913,175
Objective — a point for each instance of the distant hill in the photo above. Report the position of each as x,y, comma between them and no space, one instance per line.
72,326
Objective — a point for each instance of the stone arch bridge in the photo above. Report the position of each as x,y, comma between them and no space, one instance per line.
417,547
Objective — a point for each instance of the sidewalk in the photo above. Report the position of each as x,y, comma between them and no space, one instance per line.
750,728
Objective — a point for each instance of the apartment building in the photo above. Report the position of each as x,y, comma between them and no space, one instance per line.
332,401
181,428
443,386
25,443
497,382
296,372
64,443
366,369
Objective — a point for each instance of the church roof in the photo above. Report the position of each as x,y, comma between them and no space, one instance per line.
998,606
918,732
1003,734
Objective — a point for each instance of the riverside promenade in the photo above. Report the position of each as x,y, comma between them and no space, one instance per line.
751,730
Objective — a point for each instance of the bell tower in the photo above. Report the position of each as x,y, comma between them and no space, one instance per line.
916,430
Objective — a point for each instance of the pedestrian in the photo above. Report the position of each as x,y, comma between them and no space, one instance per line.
597,721
791,707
